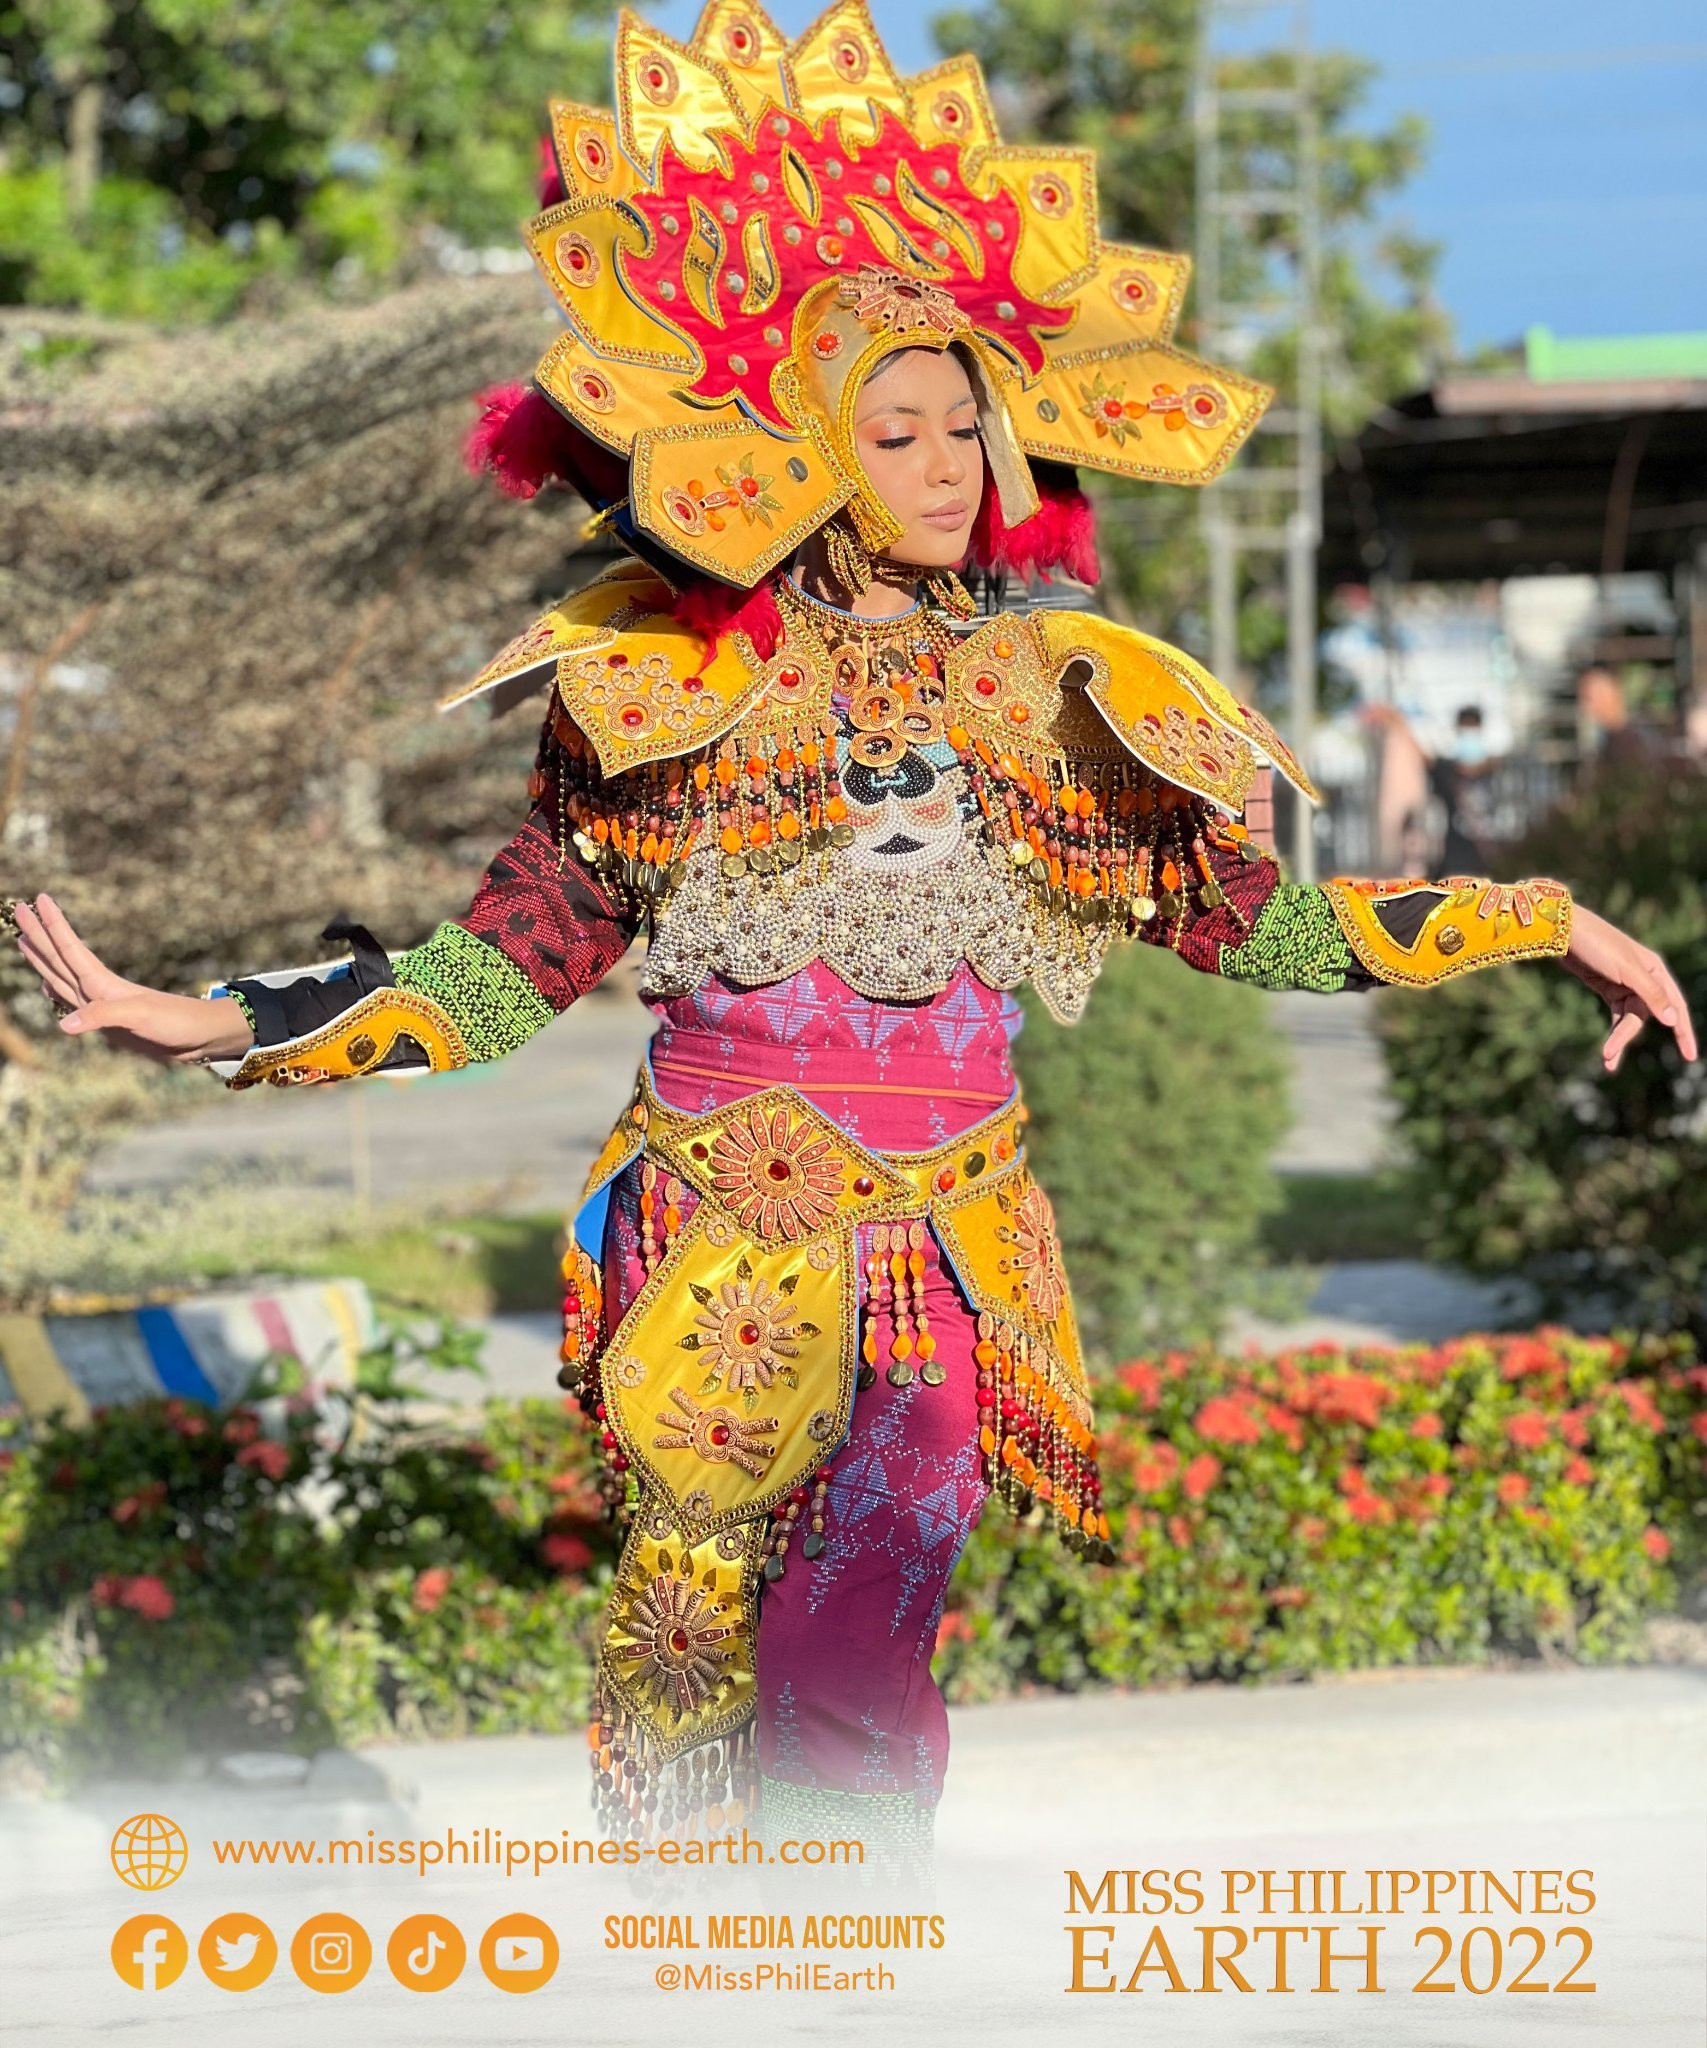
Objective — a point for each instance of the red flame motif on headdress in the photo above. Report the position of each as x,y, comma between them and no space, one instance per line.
798,205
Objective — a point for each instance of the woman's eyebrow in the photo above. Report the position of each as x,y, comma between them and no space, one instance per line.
915,412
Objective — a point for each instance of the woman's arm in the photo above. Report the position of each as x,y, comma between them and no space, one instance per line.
540,931
1243,920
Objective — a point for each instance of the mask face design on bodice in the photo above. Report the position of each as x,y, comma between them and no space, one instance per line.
909,813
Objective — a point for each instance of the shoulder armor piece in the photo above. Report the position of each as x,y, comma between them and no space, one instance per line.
1165,708
633,679
586,618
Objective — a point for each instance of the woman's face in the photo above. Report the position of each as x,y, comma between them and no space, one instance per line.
916,430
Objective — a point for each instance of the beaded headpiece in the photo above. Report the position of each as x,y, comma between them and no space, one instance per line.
760,222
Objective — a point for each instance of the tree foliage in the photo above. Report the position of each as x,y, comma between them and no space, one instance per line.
1117,78
1152,1123
165,156
1533,1159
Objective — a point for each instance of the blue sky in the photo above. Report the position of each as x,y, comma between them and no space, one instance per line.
1567,169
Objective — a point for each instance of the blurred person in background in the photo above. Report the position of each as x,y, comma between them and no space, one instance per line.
1610,735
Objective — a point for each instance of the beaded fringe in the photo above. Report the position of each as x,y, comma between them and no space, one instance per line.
639,1795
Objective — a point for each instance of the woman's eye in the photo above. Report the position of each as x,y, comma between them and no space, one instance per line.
897,441
966,433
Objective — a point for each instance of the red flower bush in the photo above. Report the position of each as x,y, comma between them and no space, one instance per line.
267,1457
141,1592
431,1586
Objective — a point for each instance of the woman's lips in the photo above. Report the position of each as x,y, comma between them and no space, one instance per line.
948,517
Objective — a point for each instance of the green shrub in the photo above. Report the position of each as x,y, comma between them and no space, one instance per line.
1311,1513
1152,1123
1531,1158
1324,1511
160,1561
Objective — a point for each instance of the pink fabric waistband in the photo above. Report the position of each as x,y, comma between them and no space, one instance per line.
890,1100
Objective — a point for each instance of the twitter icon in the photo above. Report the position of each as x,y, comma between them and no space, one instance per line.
237,1952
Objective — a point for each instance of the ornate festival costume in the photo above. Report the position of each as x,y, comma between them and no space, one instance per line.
815,1306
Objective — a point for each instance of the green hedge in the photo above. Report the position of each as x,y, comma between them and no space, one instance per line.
1152,1123
1307,1513
1320,1511
1531,1159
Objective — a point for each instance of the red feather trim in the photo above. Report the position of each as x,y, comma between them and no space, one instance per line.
1060,534
714,610
550,181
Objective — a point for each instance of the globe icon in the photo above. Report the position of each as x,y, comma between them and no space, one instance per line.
150,1851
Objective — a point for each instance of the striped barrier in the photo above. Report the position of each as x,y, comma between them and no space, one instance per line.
205,1348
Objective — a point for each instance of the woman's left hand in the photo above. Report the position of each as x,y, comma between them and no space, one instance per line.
1632,980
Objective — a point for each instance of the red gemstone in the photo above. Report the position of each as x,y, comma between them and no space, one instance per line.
632,716
719,1432
946,1179
748,1333
864,1185
778,1169
789,678
986,686
608,1440
986,1397
679,1641
693,684
616,661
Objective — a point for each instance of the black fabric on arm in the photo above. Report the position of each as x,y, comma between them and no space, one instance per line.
1403,917
294,1008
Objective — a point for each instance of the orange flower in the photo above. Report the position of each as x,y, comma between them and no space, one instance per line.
1641,1404
270,1458
1144,1379
431,1587
137,1504
1573,1427
953,1627
1348,1397
142,1593
1311,1529
1179,1529
565,1553
1225,1420
1579,1472
1426,1426
1657,1544
1528,1430
1201,1474
1155,1467
1369,1507
1511,1488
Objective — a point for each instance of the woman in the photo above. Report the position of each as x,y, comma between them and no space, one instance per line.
832,346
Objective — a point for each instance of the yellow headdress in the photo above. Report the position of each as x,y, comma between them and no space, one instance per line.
760,222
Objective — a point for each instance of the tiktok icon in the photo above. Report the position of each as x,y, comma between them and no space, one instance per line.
426,1952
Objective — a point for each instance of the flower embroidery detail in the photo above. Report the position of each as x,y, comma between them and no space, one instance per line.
1110,412
751,1331
748,493
676,1633
776,1178
1198,405
718,1435
1037,1255
887,302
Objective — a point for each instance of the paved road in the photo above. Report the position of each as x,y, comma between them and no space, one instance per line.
1602,1772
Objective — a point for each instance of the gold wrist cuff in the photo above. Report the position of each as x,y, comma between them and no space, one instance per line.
356,1042
1475,923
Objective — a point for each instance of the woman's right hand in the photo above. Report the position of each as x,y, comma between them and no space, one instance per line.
182,1030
